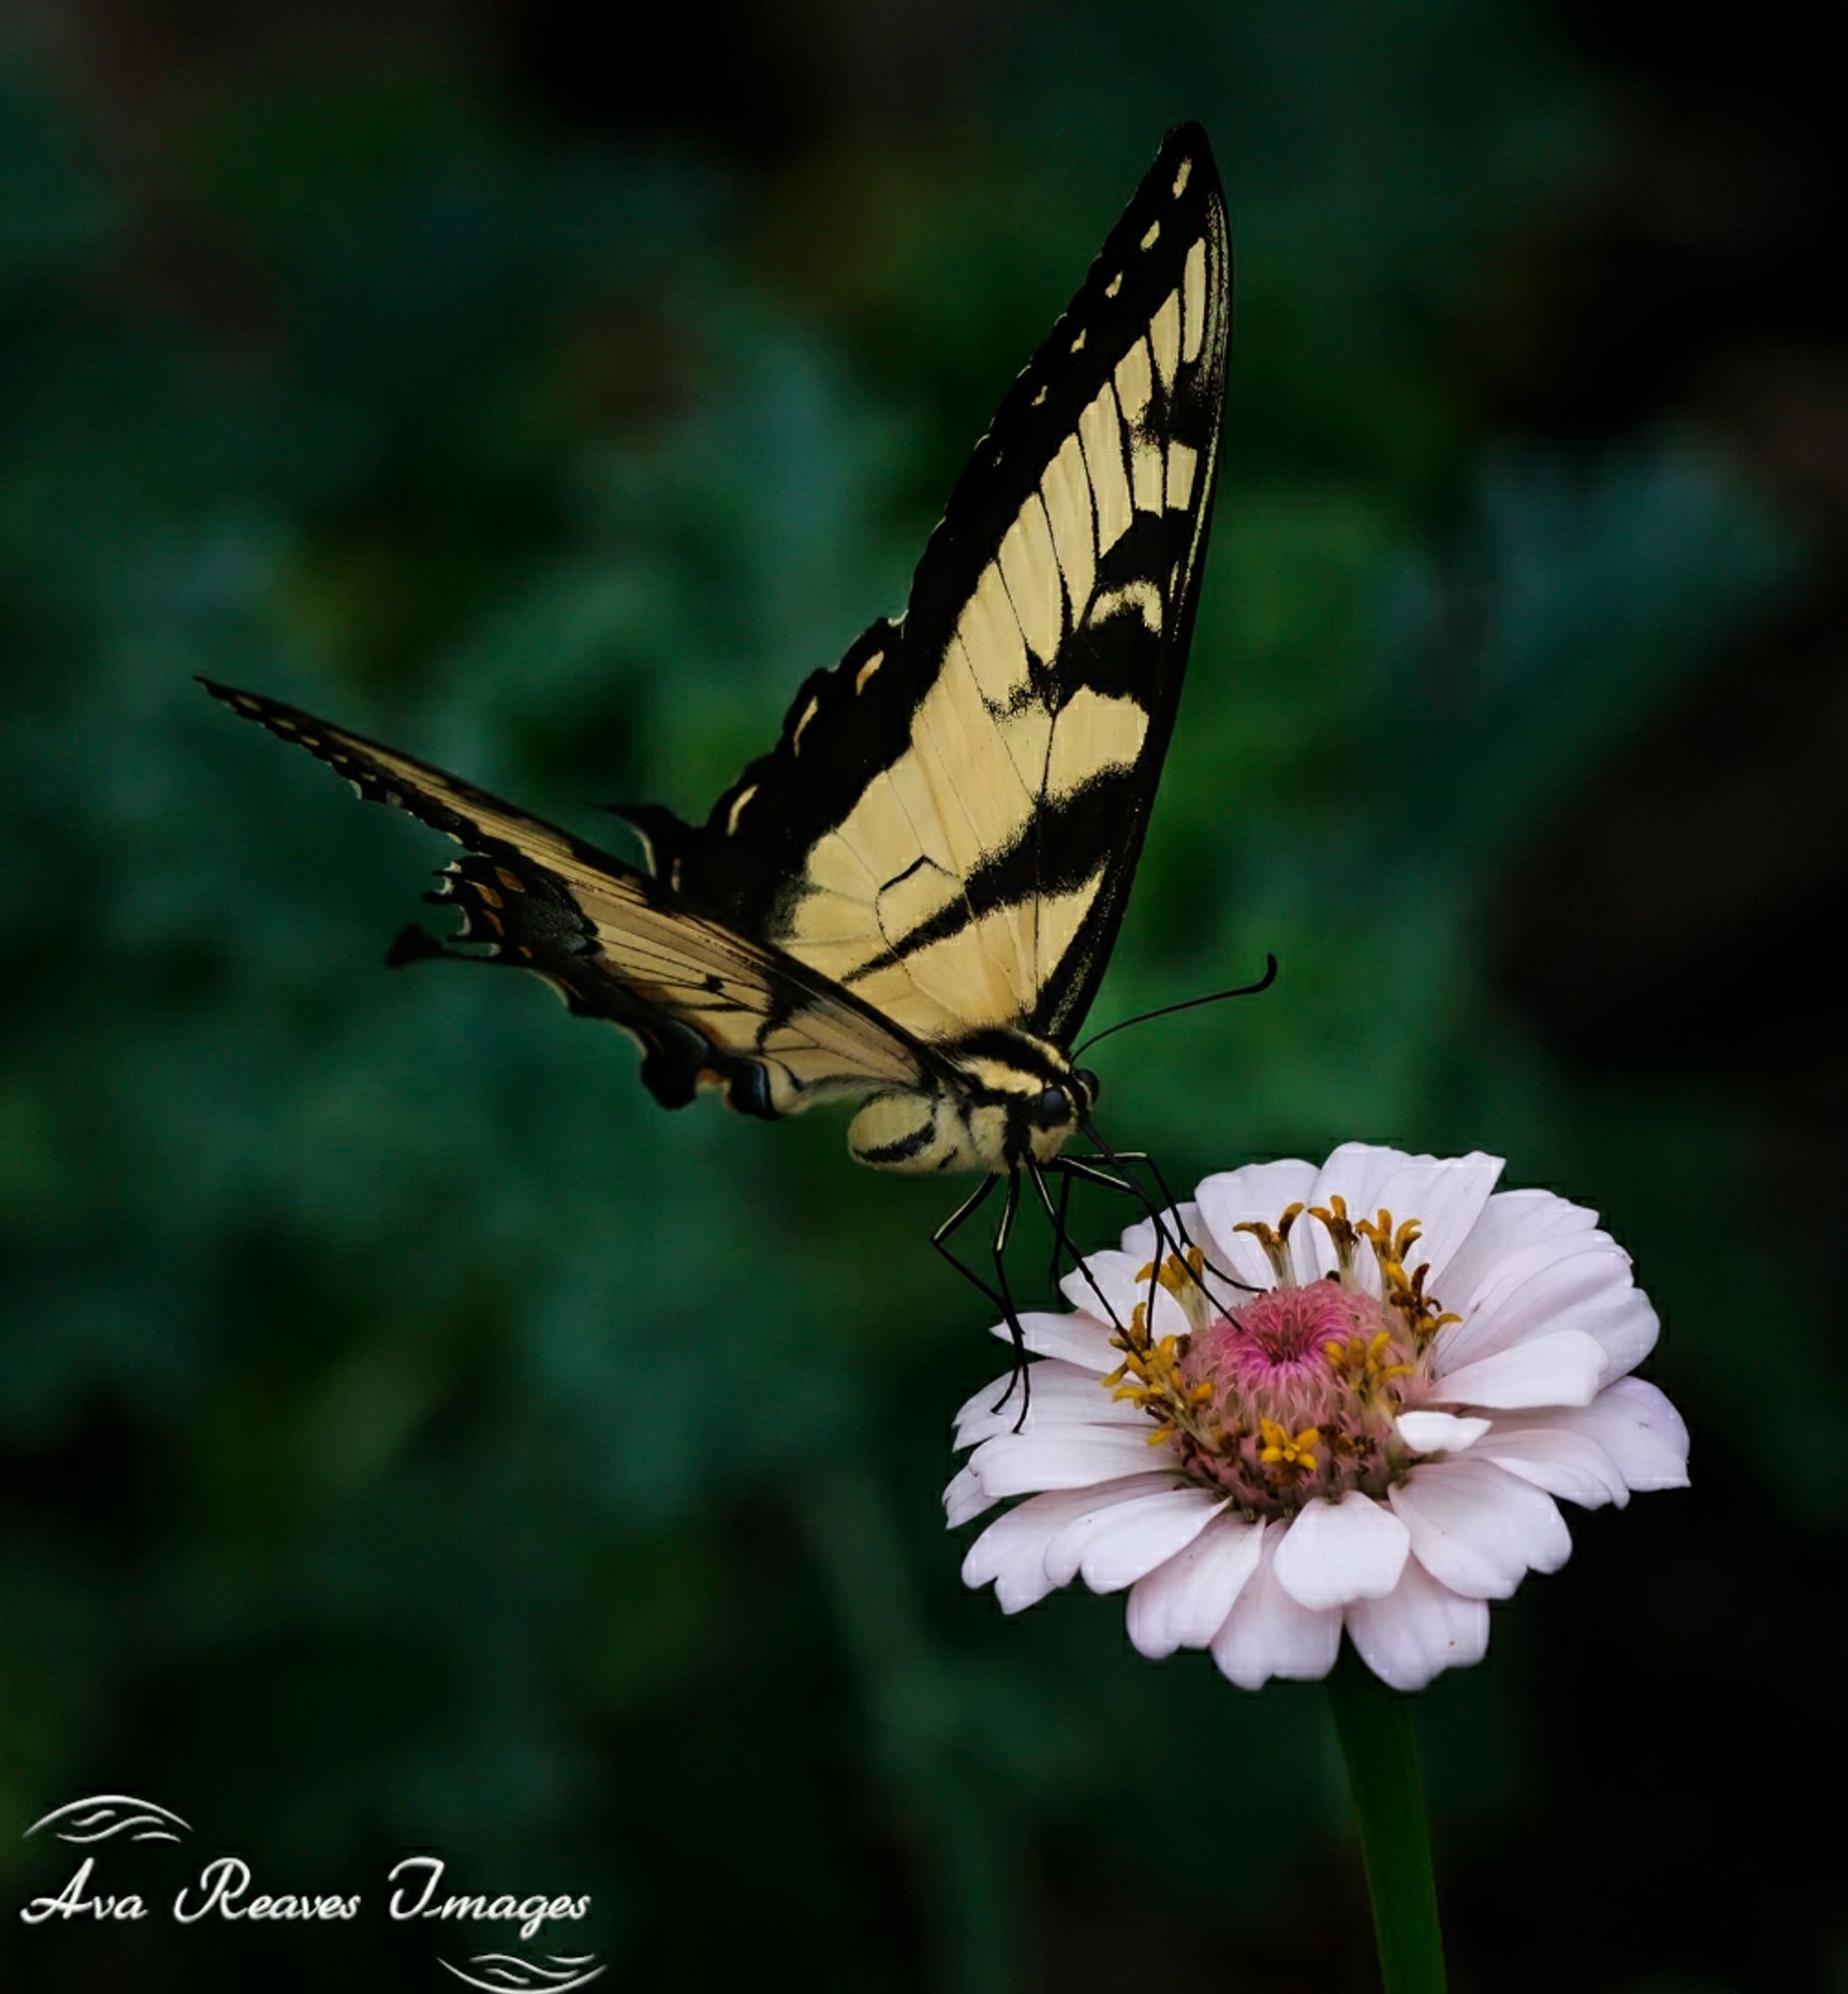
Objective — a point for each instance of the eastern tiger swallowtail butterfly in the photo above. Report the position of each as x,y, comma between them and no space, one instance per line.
911,899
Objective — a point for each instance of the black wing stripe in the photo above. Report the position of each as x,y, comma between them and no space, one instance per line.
1017,876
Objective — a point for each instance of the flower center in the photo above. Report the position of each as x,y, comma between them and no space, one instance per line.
1294,1392
1277,1339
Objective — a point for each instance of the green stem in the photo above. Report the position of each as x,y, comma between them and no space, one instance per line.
1373,1724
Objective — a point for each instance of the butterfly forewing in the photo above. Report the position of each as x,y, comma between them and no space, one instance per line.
950,822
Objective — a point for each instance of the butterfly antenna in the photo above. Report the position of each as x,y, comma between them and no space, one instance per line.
1264,982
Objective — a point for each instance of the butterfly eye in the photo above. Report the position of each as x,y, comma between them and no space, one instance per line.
1091,1085
1050,1110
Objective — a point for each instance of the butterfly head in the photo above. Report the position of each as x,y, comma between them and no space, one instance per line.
1061,1106
1066,1106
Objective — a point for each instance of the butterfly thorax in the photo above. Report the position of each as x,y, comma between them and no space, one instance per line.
1005,1098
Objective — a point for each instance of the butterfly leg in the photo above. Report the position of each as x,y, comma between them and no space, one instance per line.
1125,1159
940,1240
1003,1232
1059,1239
1071,1169
1076,1167
1125,1181
1120,1180
1171,1204
1123,1162
1130,1160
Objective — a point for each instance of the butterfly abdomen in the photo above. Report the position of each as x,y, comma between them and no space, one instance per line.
907,1132
923,1134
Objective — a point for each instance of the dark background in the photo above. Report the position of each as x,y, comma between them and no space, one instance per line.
409,1437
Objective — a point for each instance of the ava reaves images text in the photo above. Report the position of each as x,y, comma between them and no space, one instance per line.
222,1889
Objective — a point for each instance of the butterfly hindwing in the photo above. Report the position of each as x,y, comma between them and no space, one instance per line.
708,1005
949,821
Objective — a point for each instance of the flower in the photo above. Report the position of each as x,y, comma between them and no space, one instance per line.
1335,1398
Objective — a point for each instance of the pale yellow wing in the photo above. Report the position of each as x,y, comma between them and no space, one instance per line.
949,824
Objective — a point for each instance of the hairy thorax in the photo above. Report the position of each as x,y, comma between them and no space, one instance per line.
1008,1099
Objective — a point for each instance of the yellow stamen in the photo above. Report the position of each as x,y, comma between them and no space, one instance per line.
1366,1362
1284,1449
1275,1243
1341,1231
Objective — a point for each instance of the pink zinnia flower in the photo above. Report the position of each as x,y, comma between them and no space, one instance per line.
1368,1434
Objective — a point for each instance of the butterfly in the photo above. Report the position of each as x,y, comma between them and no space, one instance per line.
910,900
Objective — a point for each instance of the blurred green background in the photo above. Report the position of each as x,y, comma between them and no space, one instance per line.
410,1437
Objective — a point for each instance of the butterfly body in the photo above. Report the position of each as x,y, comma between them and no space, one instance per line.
1011,1098
910,900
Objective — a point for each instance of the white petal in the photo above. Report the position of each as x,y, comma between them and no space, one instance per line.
1637,1427
1533,1295
1355,1174
1063,1457
1185,1602
1140,1239
1119,1287
1622,1321
1560,1370
1011,1552
1115,1547
1267,1633
1257,1195
1511,1223
1417,1630
1447,1194
1563,1463
1478,1529
1439,1433
1076,1339
1333,1553
1056,1395
1355,1171
965,1497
